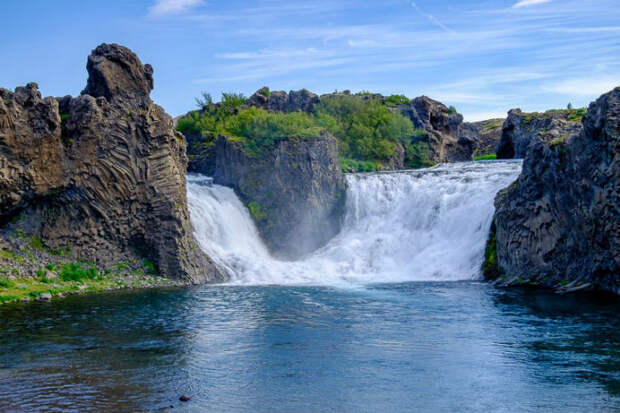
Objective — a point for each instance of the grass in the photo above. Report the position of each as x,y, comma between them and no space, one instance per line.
74,278
256,211
490,266
76,272
353,165
487,157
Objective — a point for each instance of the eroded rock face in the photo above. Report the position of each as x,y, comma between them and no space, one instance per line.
295,192
521,129
485,134
443,130
558,225
102,173
280,101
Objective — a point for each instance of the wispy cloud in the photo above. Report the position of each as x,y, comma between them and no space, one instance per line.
584,86
166,7
430,18
525,3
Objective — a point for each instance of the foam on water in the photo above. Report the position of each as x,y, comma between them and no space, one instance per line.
425,225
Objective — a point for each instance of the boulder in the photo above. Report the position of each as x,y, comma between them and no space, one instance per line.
521,129
295,191
558,225
102,173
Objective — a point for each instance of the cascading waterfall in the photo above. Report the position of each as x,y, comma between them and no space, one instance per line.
424,225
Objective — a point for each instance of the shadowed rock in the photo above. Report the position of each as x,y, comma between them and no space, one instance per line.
294,191
558,225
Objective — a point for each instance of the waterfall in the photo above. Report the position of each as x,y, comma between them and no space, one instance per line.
423,225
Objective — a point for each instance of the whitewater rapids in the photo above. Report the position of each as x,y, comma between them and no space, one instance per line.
423,225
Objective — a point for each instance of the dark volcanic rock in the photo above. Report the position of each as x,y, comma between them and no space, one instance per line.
294,191
485,134
102,173
558,225
280,101
521,129
442,126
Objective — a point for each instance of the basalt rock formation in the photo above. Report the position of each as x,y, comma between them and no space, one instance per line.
558,225
521,129
485,134
443,127
295,191
101,175
280,101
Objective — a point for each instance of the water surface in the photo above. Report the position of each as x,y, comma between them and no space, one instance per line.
409,347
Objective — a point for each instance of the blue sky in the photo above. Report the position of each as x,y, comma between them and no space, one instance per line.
484,57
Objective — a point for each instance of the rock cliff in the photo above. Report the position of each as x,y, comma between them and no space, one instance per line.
442,126
295,191
521,129
558,225
101,175
485,134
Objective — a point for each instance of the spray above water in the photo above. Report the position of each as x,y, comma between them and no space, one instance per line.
425,225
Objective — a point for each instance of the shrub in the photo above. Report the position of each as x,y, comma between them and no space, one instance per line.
452,109
150,267
75,272
6,283
395,100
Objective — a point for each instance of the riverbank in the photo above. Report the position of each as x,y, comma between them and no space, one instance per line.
65,277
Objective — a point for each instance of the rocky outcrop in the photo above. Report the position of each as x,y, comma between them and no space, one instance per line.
558,225
521,129
101,175
280,101
485,134
295,191
442,126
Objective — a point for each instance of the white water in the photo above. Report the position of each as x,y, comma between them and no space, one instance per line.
425,225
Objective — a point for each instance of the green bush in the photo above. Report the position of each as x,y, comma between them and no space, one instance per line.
6,283
353,165
75,272
367,129
395,100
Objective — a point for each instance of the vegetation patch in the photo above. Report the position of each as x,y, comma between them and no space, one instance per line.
488,157
353,165
367,129
490,266
256,211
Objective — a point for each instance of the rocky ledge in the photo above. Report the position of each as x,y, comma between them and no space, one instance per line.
99,178
558,225
295,191
521,129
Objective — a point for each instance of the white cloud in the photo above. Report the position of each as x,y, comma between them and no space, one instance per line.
165,7
525,3
478,116
588,86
